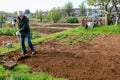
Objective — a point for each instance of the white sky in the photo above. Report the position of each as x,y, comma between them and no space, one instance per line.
33,5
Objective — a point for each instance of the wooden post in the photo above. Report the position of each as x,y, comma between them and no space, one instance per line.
106,19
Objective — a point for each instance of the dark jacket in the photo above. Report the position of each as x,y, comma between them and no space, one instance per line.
23,25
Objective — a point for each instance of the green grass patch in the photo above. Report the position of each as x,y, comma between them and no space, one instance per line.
3,72
81,34
23,72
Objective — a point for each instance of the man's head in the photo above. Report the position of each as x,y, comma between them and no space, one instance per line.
20,14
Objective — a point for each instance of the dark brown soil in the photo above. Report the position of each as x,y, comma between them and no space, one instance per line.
95,60
46,30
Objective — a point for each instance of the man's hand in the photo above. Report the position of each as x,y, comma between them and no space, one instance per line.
18,33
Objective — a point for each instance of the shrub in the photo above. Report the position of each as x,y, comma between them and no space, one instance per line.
8,31
55,15
72,20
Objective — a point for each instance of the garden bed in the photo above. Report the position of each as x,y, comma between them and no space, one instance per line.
4,39
47,30
98,59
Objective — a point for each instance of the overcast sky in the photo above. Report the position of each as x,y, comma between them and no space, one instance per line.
33,5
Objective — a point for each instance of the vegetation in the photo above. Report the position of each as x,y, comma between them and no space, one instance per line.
68,8
107,6
80,34
24,72
55,15
12,32
72,20
8,31
40,15
82,9
2,18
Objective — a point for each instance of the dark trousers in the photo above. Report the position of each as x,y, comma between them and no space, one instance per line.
22,42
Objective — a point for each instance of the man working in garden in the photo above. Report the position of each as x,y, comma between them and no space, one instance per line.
24,32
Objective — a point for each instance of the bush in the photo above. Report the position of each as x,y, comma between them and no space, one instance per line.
8,31
72,20
12,32
55,15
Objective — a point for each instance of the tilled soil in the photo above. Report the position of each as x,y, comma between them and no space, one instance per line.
5,39
95,60
48,30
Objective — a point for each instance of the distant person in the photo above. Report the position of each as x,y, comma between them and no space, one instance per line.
24,32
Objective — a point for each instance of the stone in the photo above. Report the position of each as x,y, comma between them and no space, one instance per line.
9,65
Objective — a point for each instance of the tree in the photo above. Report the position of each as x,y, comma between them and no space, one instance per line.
68,8
107,6
15,13
82,9
55,14
104,4
115,4
40,15
63,12
2,17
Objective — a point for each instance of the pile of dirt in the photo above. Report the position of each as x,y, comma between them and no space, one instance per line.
95,60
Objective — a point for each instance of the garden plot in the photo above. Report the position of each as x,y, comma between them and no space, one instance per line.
4,39
53,28
98,59
46,30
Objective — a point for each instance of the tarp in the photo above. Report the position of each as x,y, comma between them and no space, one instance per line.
95,15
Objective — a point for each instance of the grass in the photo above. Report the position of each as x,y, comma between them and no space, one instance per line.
3,72
81,34
23,72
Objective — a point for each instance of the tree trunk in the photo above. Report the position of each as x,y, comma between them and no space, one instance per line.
117,19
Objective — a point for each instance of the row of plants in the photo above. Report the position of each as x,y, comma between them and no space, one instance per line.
12,32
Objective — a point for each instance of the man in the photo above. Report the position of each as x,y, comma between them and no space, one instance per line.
24,31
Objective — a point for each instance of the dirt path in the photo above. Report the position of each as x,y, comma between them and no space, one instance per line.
95,60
